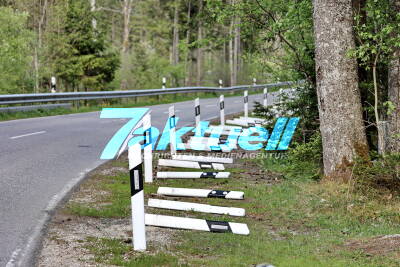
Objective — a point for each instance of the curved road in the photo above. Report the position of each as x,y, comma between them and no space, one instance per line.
41,159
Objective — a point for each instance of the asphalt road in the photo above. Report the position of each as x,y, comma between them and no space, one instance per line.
42,158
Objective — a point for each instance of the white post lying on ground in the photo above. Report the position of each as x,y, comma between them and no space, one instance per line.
196,224
192,175
253,120
222,109
172,130
147,150
137,197
202,159
246,103
242,122
188,206
189,192
190,164
265,97
197,111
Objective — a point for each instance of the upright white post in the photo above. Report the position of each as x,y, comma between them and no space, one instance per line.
222,109
197,111
164,82
220,83
53,84
265,97
172,130
246,104
254,81
137,197
147,150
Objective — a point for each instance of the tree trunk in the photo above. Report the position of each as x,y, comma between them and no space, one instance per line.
187,56
93,9
394,94
175,41
339,104
126,11
200,49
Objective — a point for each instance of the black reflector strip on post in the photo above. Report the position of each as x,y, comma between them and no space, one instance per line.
218,227
172,122
205,165
221,105
197,110
147,137
246,99
208,175
136,177
218,193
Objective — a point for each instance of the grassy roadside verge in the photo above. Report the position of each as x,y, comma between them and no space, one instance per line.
293,222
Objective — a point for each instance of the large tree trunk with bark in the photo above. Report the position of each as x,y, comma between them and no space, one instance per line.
394,94
342,127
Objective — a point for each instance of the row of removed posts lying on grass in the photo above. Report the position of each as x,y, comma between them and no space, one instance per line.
141,170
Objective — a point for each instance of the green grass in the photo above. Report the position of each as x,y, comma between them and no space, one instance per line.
296,222
94,105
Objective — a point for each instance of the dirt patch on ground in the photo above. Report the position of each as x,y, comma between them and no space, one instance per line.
377,246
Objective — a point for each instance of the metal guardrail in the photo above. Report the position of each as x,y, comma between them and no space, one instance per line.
75,96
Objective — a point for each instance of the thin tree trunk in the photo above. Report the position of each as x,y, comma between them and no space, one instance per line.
394,94
188,52
200,49
126,11
236,59
231,55
175,41
93,9
339,104
43,11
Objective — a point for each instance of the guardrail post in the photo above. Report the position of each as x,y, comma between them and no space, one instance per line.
265,96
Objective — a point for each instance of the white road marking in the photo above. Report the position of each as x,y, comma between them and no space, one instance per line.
29,134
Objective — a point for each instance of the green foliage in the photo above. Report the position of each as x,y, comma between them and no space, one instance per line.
377,31
16,42
303,160
83,59
379,177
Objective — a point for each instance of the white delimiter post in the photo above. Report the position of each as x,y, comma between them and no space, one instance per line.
147,150
265,97
137,197
246,103
222,109
172,130
197,111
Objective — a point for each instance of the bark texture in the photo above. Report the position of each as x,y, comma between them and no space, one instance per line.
394,94
342,127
